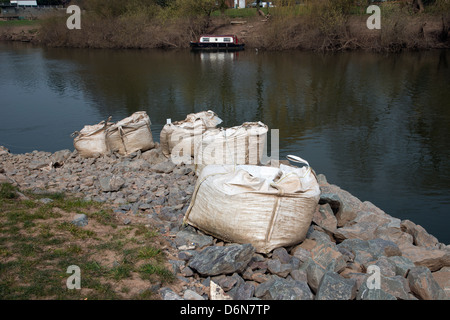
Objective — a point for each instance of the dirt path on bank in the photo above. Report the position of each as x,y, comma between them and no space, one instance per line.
248,31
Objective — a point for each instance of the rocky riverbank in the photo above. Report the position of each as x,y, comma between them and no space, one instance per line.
346,238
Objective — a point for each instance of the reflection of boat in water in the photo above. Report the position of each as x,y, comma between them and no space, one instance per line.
219,56
217,43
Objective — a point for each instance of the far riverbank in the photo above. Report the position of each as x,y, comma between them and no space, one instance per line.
399,32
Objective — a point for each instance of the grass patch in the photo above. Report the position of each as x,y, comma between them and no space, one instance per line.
8,191
239,13
149,252
17,23
148,269
76,231
38,243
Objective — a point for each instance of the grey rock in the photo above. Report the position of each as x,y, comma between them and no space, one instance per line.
187,272
423,285
429,257
46,200
284,289
80,220
177,265
111,183
314,273
145,206
387,268
169,294
186,255
59,157
394,234
420,236
3,150
326,253
226,282
367,251
327,197
364,293
244,291
164,167
402,265
263,287
362,230
299,274
192,295
380,247
153,156
318,234
238,282
334,287
139,164
342,202
397,286
322,179
222,260
324,217
301,253
282,255
38,164
189,237
278,268
442,277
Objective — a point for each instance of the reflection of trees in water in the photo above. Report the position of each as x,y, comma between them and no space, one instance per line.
375,112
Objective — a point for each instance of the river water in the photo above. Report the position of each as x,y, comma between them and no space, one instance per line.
376,125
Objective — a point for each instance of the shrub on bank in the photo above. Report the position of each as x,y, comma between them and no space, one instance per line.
321,25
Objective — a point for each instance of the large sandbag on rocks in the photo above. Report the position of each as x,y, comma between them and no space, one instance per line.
268,207
181,133
91,140
130,134
237,145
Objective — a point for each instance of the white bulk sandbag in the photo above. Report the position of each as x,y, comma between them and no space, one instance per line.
242,144
181,134
91,140
268,207
130,134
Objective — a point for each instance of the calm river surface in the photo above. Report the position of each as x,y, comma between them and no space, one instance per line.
376,125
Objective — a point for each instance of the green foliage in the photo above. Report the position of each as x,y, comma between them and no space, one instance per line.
148,269
194,8
8,191
331,15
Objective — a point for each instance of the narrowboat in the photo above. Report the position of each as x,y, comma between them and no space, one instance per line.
217,42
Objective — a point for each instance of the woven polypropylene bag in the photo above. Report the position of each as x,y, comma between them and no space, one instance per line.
182,134
237,145
266,206
130,134
91,140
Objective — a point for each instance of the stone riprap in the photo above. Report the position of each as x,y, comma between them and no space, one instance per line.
347,238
